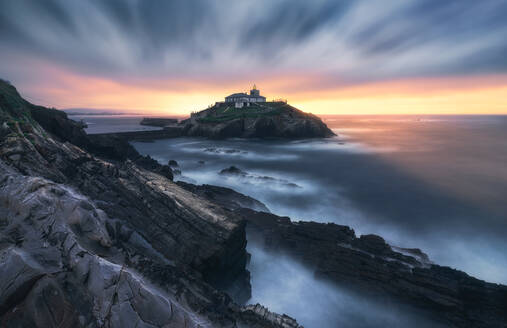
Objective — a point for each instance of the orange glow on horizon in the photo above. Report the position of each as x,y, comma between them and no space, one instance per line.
463,95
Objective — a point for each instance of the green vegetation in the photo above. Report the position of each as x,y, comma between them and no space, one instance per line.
227,112
12,106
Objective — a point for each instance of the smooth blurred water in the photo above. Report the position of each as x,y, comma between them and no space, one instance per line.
434,182
112,123
438,183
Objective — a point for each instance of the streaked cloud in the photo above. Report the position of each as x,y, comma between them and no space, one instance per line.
319,45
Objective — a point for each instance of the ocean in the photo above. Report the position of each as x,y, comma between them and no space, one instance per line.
112,123
438,183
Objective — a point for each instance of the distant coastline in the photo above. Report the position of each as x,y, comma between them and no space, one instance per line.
100,113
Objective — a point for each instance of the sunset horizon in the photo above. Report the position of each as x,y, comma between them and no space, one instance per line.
329,58
432,96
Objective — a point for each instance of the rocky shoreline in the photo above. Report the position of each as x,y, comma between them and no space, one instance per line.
114,240
274,120
92,234
368,265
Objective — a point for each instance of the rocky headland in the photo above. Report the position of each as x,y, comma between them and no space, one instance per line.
91,237
92,234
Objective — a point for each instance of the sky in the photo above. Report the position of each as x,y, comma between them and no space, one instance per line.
324,56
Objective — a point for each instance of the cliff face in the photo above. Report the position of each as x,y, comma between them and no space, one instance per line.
263,120
108,241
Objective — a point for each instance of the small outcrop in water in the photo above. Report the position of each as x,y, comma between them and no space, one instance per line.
233,170
229,151
158,121
252,178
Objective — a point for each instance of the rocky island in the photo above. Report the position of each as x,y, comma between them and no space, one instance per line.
241,115
251,116
94,235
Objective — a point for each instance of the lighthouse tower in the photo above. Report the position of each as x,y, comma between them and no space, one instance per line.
255,92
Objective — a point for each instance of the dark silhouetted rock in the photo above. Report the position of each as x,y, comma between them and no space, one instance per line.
233,170
369,265
90,241
252,178
158,121
224,197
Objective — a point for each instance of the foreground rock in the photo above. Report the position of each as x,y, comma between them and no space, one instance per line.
369,265
225,197
262,120
108,241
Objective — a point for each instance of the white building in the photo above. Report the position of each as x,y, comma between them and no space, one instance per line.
243,99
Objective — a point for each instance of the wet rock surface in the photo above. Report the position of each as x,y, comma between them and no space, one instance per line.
89,238
369,265
225,197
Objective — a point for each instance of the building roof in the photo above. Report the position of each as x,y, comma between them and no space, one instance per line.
240,94
243,95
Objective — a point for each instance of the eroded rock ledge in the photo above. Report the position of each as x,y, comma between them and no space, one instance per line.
93,237
369,265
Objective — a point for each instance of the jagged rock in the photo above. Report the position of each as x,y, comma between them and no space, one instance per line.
282,320
233,170
172,163
224,197
249,178
369,265
103,242
69,270
19,273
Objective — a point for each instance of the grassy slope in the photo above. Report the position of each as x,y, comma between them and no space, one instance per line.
14,111
227,112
